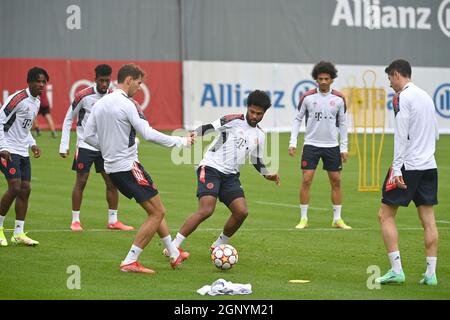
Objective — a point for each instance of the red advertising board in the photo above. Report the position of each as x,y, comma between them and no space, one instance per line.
160,96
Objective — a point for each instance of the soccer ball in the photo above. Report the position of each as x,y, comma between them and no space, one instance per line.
224,256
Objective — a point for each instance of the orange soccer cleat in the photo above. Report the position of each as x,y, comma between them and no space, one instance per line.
76,226
135,267
181,257
119,226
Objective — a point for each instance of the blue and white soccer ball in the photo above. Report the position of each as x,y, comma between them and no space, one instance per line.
224,256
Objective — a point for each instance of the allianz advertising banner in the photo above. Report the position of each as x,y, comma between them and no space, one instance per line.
213,89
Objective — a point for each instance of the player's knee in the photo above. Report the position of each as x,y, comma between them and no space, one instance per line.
381,217
82,179
110,187
160,213
25,191
430,227
14,190
336,183
241,214
306,183
205,212
81,184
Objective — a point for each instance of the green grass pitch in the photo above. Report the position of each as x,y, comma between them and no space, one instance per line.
271,251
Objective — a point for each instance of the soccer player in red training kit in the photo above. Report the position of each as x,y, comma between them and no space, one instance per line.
112,129
413,175
218,173
16,119
325,116
86,155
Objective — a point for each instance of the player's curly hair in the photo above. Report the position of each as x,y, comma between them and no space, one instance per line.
33,74
324,67
103,70
259,98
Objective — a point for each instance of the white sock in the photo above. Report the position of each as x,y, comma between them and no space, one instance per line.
133,255
75,216
304,211
396,263
2,218
112,216
431,266
337,212
222,239
178,240
173,251
18,227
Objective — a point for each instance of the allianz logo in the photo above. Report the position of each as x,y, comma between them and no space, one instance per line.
372,15
441,100
233,95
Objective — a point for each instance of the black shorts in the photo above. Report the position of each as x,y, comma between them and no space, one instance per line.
18,168
84,158
331,158
215,183
44,110
422,188
135,183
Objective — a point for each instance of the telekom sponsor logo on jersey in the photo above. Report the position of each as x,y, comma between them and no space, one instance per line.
373,15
